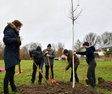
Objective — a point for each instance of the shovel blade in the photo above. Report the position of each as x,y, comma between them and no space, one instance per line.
19,72
52,81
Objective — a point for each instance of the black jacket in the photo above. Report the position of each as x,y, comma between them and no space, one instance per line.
38,58
11,50
89,54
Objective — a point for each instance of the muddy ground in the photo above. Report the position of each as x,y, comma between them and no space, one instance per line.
57,88
104,84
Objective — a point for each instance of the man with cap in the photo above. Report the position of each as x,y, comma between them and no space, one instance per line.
90,58
69,55
49,55
38,58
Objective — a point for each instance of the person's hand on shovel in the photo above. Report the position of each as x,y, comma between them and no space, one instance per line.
48,55
46,52
74,53
40,70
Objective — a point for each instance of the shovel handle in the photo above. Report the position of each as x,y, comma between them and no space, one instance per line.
49,67
19,68
40,72
20,61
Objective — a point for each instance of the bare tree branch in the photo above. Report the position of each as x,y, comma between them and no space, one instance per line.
77,16
93,39
74,14
106,37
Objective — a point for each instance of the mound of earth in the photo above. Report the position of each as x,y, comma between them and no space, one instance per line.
104,84
56,88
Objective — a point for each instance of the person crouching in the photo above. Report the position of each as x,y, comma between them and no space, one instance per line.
69,55
38,60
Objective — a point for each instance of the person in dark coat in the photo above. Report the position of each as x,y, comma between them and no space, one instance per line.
12,43
49,55
69,55
38,59
90,58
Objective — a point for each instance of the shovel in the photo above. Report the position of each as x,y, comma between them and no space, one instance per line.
51,80
40,72
20,71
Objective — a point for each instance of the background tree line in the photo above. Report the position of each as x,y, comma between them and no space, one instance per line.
92,38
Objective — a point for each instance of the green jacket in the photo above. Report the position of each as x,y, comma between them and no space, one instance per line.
51,58
69,59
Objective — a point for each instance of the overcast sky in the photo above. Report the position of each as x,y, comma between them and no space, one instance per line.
46,21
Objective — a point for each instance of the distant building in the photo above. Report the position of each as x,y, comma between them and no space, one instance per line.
106,47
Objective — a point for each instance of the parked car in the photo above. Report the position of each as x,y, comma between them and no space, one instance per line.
57,58
63,57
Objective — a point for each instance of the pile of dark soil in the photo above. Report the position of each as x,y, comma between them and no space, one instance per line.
104,84
56,88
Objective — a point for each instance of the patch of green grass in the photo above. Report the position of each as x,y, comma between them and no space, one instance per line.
103,91
103,69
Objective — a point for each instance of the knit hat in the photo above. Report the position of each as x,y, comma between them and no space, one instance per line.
85,44
38,48
65,51
49,45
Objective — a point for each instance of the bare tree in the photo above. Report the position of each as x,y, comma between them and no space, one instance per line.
106,37
25,49
1,50
93,39
24,53
33,45
60,48
75,13
60,45
74,16
78,45
54,46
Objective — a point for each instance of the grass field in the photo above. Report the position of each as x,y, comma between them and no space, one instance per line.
103,69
